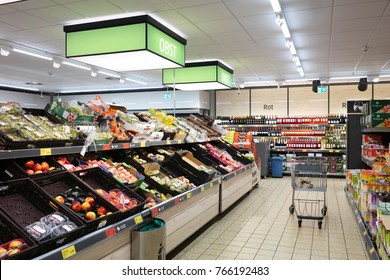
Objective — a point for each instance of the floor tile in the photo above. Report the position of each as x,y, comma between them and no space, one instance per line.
229,255
282,256
300,257
207,257
231,248
247,250
244,256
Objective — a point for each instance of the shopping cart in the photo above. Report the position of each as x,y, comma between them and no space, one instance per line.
308,180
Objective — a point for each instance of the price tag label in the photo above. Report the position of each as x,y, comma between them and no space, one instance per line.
330,138
138,219
179,141
106,147
189,195
110,232
330,151
332,125
304,151
372,250
219,181
126,145
235,173
68,252
240,125
176,201
365,233
154,212
337,151
202,188
168,142
45,152
211,184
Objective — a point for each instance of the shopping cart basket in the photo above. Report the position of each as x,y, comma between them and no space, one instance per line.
308,181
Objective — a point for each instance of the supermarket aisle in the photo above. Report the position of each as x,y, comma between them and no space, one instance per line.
261,227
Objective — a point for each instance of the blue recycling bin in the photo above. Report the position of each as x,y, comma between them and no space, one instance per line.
277,167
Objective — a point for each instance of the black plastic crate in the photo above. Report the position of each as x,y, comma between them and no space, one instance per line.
234,152
96,178
72,188
24,203
9,232
9,144
162,189
16,169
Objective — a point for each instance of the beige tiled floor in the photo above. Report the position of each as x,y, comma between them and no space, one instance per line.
260,227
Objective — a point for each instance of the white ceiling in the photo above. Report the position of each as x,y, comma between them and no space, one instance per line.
329,36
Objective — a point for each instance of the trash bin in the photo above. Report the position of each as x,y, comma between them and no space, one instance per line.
148,241
277,167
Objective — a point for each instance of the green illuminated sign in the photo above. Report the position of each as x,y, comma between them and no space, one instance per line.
164,45
197,74
106,40
321,89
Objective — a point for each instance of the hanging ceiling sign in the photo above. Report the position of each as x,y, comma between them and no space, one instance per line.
125,44
205,75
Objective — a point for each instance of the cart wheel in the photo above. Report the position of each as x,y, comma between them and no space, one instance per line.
323,211
299,223
291,209
319,224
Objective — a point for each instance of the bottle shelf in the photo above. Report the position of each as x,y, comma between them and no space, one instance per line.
311,150
376,130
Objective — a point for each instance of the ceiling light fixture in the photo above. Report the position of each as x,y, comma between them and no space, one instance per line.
94,72
135,81
105,89
32,54
19,87
344,78
77,65
276,6
122,80
4,51
57,63
109,74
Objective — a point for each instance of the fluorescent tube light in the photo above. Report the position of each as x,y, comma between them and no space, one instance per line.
276,6
384,76
122,80
32,54
109,74
18,87
344,78
76,65
135,81
2,2
4,51
285,30
104,89
293,50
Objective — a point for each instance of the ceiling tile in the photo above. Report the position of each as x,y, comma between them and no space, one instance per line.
273,45
247,53
172,17
341,53
94,8
384,22
6,28
298,5
52,32
311,54
242,8
28,5
362,10
363,35
5,9
54,14
203,13
311,42
347,45
242,46
23,20
189,3
145,6
218,26
52,46
225,37
27,37
354,24
319,21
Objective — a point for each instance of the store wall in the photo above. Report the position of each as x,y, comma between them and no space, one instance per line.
152,99
269,101
232,102
26,100
340,94
302,100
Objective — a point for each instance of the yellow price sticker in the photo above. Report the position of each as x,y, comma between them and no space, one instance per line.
372,250
330,138
169,142
365,233
211,184
219,181
202,188
337,151
332,125
143,144
304,150
189,195
179,141
330,151
45,152
240,125
138,219
68,252
235,173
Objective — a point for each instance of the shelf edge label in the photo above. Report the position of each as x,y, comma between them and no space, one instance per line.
45,152
154,212
138,219
68,252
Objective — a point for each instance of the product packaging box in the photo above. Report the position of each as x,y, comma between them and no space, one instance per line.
371,139
378,120
377,106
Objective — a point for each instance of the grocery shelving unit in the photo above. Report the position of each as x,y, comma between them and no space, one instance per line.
366,236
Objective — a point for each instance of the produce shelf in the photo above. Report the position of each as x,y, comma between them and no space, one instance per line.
306,137
371,250
84,242
338,151
239,171
367,161
375,129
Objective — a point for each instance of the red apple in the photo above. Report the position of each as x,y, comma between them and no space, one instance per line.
45,165
90,216
2,250
76,206
90,200
101,211
14,244
60,199
29,164
29,171
86,206
37,167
